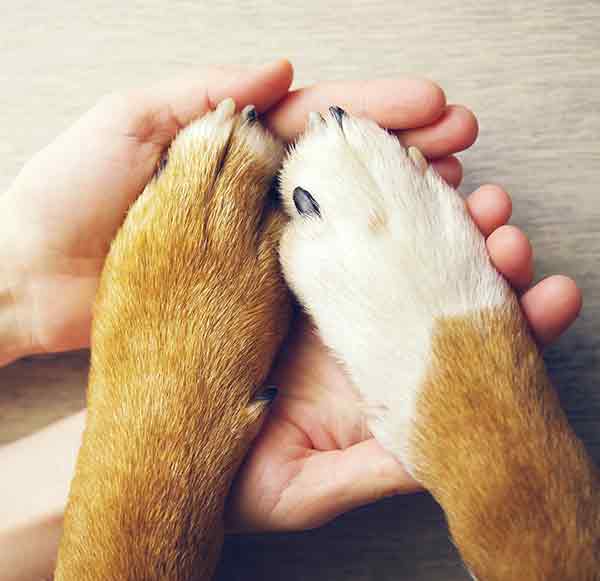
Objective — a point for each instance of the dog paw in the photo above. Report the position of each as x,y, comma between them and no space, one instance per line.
192,281
380,251
190,311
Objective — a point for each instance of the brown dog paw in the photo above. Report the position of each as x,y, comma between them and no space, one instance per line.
190,312
192,284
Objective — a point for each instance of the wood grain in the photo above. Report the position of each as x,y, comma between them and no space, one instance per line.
530,71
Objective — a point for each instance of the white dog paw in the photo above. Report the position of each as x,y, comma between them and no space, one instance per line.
378,249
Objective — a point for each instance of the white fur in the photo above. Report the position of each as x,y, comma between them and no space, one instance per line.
393,250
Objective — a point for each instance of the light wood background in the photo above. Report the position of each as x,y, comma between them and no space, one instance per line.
530,70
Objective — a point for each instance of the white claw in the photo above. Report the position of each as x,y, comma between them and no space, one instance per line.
314,119
226,108
418,159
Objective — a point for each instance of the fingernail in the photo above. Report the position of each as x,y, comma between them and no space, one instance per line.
268,394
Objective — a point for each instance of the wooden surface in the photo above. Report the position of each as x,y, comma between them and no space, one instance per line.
531,71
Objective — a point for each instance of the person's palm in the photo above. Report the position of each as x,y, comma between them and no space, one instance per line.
314,458
62,259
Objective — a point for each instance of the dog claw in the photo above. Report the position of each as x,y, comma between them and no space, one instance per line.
338,114
315,119
226,108
249,114
305,203
418,159
268,394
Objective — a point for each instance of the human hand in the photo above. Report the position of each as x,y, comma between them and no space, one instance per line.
66,205
314,459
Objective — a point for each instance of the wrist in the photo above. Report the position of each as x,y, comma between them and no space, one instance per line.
15,339
33,495
15,315
38,472
29,552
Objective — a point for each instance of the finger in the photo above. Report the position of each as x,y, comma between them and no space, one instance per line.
490,207
450,169
332,483
551,306
511,253
261,87
454,131
368,473
392,103
136,127
155,114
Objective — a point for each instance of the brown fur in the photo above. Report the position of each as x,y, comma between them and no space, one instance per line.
521,495
190,312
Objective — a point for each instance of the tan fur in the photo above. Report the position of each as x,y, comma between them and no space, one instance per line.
521,495
435,342
190,312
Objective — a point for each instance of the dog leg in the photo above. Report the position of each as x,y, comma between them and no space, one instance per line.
384,256
190,312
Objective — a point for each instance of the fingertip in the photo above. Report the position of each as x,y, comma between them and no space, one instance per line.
395,104
490,207
466,125
282,71
432,103
266,85
456,130
551,306
565,287
512,254
450,169
438,96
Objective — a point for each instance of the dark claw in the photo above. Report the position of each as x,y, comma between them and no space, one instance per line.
268,394
338,114
305,203
251,115
164,158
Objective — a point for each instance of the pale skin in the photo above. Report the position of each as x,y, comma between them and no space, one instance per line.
313,459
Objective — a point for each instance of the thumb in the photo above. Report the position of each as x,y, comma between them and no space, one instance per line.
334,482
162,109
